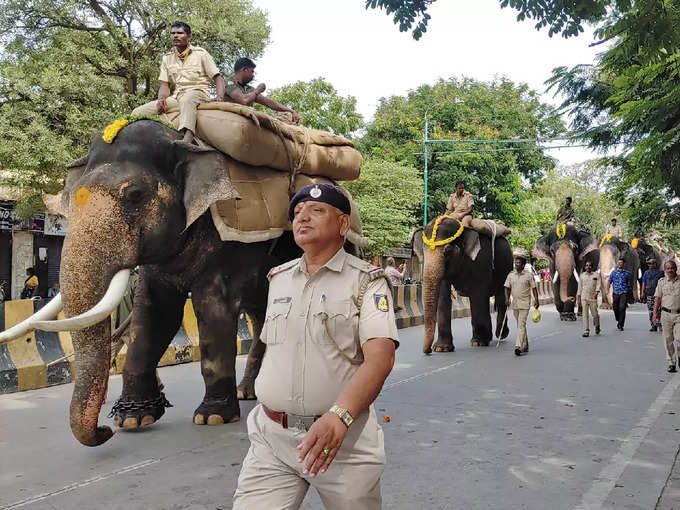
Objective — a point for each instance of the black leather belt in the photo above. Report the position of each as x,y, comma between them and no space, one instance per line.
669,310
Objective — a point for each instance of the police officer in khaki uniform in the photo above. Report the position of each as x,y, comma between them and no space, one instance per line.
191,69
460,204
586,298
667,307
238,90
520,284
331,335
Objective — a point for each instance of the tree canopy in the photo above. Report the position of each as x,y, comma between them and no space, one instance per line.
320,106
477,115
389,195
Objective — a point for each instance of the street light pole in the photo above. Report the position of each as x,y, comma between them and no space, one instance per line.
425,172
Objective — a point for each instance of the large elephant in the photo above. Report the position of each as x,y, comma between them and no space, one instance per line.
611,250
567,249
469,264
143,200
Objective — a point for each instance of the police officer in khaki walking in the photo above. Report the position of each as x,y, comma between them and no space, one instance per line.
520,284
190,69
331,335
667,308
586,298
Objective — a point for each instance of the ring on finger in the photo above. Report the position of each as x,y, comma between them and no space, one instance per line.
326,451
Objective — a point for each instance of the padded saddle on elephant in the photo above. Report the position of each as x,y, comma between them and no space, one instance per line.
268,161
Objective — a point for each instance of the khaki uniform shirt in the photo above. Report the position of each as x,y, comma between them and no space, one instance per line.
588,286
461,204
196,71
313,326
615,231
520,285
669,292
231,84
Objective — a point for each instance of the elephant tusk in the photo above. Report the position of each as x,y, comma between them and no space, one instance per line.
576,275
97,313
557,273
49,311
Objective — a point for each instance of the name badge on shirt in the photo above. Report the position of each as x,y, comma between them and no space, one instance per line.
381,302
285,299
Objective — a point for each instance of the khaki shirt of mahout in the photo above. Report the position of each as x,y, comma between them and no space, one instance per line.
231,84
196,71
588,286
464,203
669,292
313,328
614,231
520,285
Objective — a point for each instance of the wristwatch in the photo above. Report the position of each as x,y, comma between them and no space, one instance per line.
343,413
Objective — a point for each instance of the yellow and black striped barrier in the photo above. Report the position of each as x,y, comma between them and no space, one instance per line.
43,358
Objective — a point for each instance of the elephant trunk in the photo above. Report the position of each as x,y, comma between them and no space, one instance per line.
607,264
99,245
433,273
565,265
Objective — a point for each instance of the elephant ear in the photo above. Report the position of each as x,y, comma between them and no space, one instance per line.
417,244
471,245
206,179
587,243
58,204
541,249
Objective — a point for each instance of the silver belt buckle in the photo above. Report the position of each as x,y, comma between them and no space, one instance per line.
301,422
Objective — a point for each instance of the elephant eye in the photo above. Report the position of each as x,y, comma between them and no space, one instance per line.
133,196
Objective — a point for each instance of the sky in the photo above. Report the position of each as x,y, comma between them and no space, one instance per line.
363,54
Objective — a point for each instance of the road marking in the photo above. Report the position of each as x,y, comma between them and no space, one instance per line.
414,378
598,493
79,485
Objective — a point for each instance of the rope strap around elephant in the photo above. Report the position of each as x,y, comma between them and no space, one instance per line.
130,407
432,242
493,228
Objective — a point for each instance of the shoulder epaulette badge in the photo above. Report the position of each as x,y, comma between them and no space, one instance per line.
278,269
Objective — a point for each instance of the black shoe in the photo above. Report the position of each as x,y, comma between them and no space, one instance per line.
597,330
672,369
518,352
526,349
586,334
653,328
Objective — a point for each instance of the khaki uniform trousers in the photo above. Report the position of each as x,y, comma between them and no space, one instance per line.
187,102
521,317
670,323
271,477
590,307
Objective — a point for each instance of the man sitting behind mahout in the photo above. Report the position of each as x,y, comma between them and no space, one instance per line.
239,91
190,69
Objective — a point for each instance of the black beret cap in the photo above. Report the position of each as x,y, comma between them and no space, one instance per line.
326,193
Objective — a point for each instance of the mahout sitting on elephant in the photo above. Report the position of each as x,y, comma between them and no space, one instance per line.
611,250
143,200
460,257
567,249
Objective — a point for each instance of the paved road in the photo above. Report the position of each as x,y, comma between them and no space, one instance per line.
576,424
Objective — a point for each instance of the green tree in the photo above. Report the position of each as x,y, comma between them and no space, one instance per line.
469,111
389,197
69,67
320,106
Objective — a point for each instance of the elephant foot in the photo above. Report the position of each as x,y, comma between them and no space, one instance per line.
246,390
217,411
476,342
133,414
443,347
